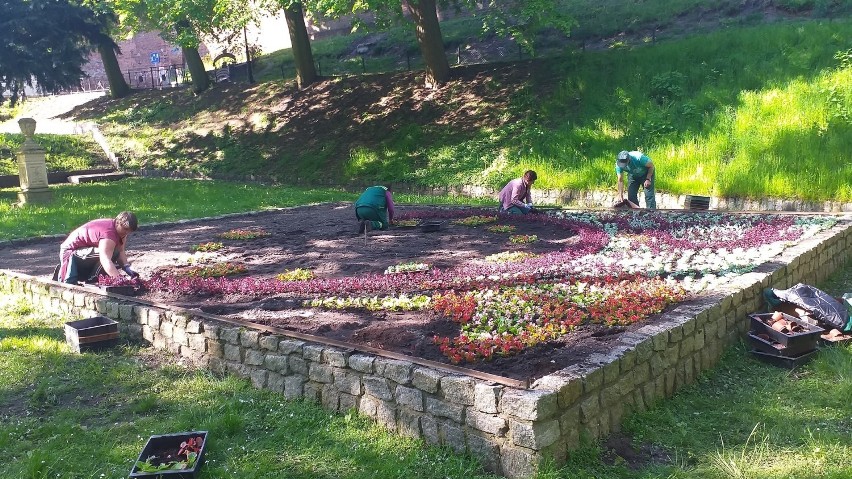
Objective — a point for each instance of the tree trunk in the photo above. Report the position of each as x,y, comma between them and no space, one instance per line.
118,87
200,80
431,42
306,72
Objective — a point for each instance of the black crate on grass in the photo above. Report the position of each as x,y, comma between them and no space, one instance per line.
161,444
784,361
91,334
794,343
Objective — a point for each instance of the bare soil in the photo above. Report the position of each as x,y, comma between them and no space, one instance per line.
323,239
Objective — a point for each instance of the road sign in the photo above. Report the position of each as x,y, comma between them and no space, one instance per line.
155,58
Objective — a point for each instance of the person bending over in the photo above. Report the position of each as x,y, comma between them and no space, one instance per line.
641,172
100,242
374,208
515,196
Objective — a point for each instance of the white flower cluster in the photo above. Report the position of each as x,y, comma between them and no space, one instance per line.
407,268
402,302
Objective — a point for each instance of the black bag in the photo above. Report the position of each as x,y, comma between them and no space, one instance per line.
823,307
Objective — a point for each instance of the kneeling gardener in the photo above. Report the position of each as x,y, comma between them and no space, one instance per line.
374,208
99,242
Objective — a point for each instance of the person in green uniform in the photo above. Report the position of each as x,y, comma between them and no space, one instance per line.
641,172
374,208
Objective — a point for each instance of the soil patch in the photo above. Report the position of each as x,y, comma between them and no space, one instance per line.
323,239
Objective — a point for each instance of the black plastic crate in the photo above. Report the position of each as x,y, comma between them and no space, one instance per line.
694,202
794,343
789,362
91,334
159,445
430,226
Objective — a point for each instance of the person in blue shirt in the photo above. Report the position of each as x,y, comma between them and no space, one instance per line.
374,209
640,172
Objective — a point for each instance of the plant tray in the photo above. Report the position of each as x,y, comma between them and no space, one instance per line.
793,343
122,290
770,346
784,361
430,226
91,334
165,443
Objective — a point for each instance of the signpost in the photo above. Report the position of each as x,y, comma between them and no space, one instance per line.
155,58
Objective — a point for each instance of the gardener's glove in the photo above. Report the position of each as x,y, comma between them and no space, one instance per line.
130,272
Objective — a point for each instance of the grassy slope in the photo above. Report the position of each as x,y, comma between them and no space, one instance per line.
746,111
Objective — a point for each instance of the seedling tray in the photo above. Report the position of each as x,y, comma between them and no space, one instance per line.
793,343
784,361
122,290
430,226
92,334
771,346
157,445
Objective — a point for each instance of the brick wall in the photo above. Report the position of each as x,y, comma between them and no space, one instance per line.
510,430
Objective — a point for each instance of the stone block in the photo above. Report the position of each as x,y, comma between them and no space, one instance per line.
330,397
453,436
409,397
298,365
211,331
321,373
486,397
276,362
426,379
429,429
179,336
489,423
347,382
293,386
125,312
290,346
312,391
458,389
347,402
590,409
528,405
275,382
194,326
253,357
312,352
611,372
335,357
167,329
518,462
378,387
398,371
535,435
258,378
367,406
269,343
445,409
485,450
361,363
232,353
197,343
249,338
229,335
592,379
408,422
386,415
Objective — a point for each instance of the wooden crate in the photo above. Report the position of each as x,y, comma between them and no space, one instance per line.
91,334
694,202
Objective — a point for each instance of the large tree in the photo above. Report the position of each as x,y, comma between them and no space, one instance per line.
107,17
45,43
300,42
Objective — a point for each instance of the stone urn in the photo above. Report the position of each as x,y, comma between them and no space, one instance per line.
32,168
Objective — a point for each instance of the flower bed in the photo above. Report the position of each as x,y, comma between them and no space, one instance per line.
244,234
616,269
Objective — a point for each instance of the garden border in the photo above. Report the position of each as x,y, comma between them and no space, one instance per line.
511,430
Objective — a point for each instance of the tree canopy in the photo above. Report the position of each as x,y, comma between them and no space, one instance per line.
45,44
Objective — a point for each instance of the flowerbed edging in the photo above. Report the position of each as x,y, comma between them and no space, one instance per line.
510,430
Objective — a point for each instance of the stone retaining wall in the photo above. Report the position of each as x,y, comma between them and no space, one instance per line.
510,430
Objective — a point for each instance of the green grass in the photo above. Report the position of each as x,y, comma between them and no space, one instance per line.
158,200
78,416
62,152
64,415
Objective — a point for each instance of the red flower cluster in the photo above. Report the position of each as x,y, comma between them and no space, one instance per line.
458,307
465,349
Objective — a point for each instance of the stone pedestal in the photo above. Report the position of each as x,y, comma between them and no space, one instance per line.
32,168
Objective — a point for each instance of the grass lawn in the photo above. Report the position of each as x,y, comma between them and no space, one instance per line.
158,200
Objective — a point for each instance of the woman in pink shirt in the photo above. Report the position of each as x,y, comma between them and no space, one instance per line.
515,196
101,241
